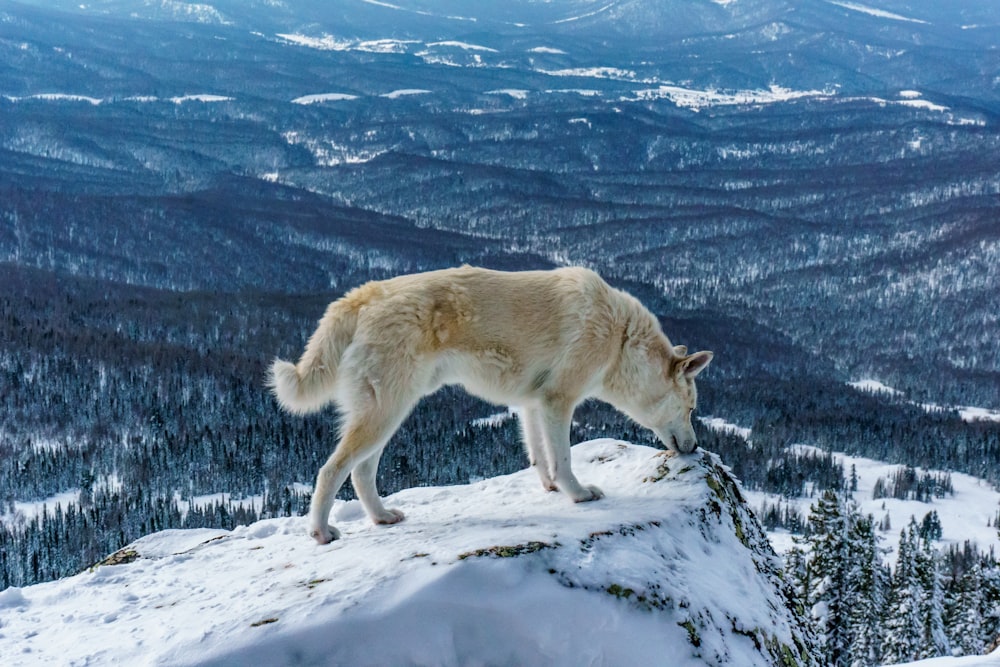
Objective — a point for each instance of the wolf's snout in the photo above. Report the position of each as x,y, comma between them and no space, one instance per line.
681,445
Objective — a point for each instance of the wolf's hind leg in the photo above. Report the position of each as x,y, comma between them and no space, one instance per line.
555,423
534,444
364,437
363,479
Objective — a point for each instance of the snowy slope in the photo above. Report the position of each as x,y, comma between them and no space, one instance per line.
669,568
991,660
967,413
966,515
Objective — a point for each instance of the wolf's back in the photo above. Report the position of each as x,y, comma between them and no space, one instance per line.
310,384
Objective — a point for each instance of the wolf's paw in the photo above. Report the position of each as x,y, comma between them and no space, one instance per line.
389,517
549,485
590,493
324,535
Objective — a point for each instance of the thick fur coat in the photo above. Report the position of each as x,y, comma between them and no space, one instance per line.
540,340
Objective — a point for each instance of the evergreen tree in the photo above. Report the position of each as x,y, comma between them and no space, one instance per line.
828,591
930,527
842,581
904,627
990,585
934,640
797,570
869,583
964,623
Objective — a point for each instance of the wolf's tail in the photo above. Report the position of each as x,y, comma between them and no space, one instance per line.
310,384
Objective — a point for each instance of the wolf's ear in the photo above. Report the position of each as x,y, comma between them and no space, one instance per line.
695,363
680,350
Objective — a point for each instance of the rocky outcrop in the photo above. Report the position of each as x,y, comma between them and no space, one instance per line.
670,568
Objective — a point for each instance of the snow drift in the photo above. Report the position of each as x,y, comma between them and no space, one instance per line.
670,568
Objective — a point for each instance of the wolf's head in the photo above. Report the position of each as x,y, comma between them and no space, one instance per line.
662,395
672,416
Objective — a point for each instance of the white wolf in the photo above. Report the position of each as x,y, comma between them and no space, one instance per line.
540,340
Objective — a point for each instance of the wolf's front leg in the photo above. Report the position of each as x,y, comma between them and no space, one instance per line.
555,423
534,444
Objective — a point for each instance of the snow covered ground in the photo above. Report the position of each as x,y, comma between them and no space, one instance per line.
991,660
324,97
966,515
64,97
701,99
871,11
496,572
968,413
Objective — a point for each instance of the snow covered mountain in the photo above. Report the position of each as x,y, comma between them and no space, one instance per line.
670,568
